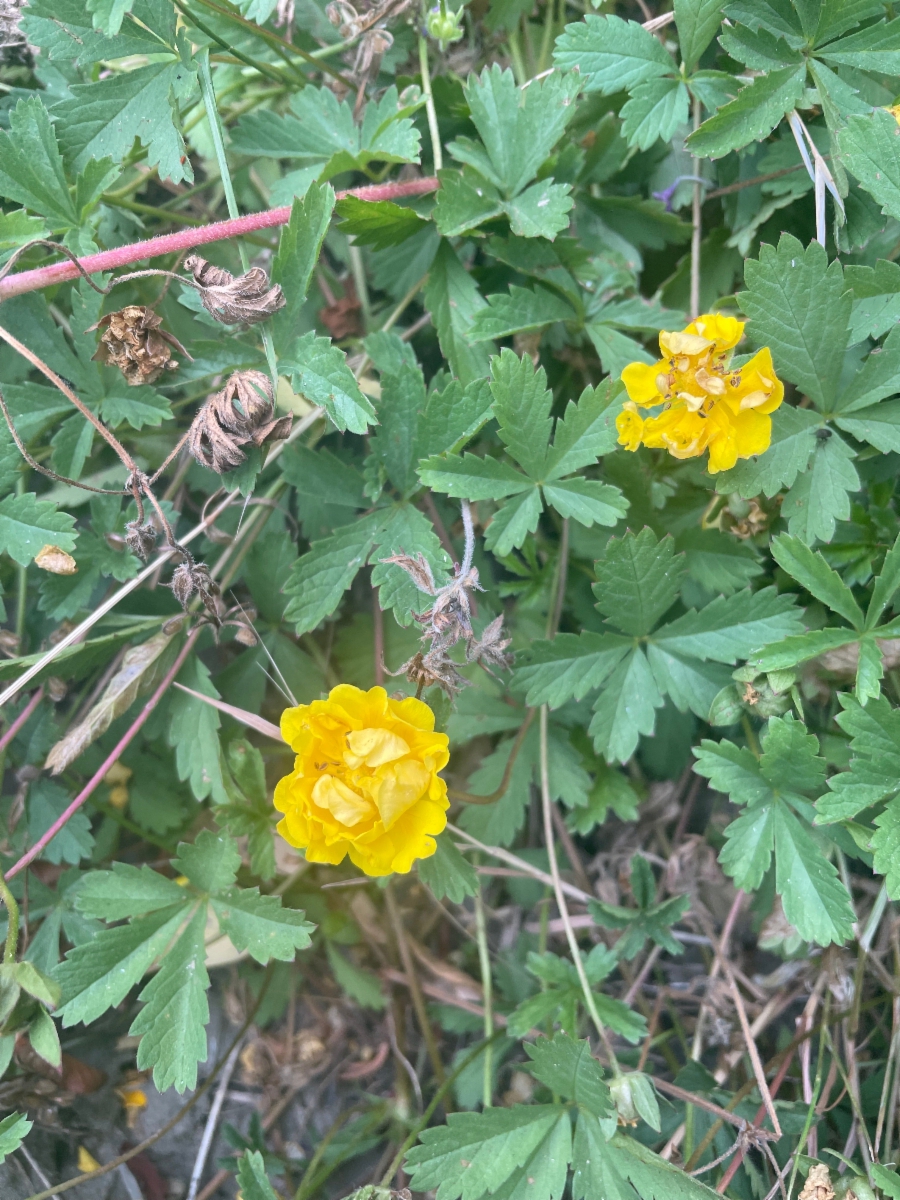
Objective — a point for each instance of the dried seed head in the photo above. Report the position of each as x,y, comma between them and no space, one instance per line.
818,1184
491,650
133,341
191,578
244,635
56,561
434,669
242,413
244,300
140,539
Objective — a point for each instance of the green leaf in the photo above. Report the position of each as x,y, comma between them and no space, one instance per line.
876,299
513,522
172,1023
452,297
298,252
252,1178
814,899
656,109
28,524
732,770
395,440
31,166
752,115
870,151
611,54
475,1154
44,1039
406,530
194,733
697,22
888,1181
869,671
717,561
802,648
139,406
568,667
585,432
465,200
109,14
587,501
474,478
874,772
99,974
616,349
453,416
126,891
447,873
790,760
322,475
731,627
812,572
594,1171
378,223
64,30
652,1176
820,497
519,127
103,119
360,985
522,405
47,801
638,580
886,585
793,442
320,577
211,862
878,425
320,372
519,311
879,377
568,1068
886,845
625,709
798,306
14,1129
541,211
260,924
875,48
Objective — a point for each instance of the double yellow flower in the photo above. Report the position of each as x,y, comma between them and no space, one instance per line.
706,406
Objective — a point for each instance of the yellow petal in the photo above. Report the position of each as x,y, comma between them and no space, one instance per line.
724,331
629,425
399,787
374,747
640,382
683,343
344,804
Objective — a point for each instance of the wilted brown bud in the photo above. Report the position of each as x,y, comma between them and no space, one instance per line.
245,636
115,541
56,561
133,341
244,300
241,413
192,578
56,688
140,539
491,650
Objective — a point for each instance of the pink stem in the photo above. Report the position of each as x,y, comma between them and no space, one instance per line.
21,718
186,239
91,786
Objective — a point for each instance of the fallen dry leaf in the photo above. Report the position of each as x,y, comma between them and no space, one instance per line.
56,561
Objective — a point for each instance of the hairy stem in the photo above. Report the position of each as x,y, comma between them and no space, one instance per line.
12,931
21,718
187,239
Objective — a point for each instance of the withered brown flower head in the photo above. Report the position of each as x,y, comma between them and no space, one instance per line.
140,538
193,578
133,341
242,300
242,413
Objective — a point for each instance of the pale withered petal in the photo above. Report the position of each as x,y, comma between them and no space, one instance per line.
133,341
241,413
491,650
235,300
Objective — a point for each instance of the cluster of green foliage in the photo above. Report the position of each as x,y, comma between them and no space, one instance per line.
742,625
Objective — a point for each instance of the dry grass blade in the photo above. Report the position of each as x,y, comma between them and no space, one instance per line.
251,720
139,670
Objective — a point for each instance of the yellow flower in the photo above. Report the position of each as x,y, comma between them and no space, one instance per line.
365,780
706,406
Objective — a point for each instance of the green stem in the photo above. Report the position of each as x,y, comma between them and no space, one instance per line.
436,152
484,960
515,53
215,125
21,585
547,38
12,931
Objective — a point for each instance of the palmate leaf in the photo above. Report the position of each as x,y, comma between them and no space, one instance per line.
638,580
876,299
31,166
452,297
752,115
821,496
697,22
874,772
657,108
27,524
319,579
447,873
611,54
260,925
815,900
319,371
14,1129
625,708
812,572
519,311
194,734
567,1067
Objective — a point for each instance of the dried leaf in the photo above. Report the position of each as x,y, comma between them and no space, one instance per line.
138,672
260,724
133,341
242,413
56,561
244,300
818,1184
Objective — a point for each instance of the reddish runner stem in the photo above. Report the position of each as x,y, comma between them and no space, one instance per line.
21,718
91,786
187,239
